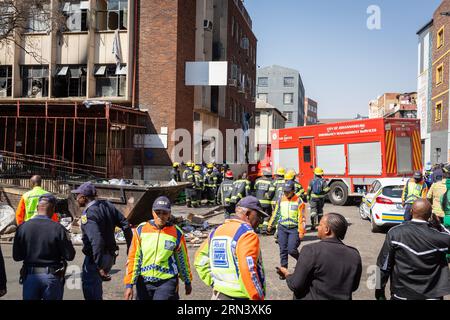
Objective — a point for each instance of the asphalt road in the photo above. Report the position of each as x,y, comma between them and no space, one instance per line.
358,236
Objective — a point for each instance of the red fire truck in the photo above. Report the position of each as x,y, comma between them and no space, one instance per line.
353,154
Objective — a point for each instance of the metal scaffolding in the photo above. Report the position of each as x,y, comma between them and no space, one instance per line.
92,139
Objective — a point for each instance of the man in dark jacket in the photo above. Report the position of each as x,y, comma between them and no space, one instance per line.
44,247
327,270
98,222
413,257
2,275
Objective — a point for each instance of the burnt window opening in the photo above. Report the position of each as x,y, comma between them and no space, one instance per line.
34,81
111,81
5,81
70,81
76,15
112,15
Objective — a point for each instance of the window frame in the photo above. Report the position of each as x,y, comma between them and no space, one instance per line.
439,74
440,105
287,85
259,82
289,115
121,13
266,95
84,16
83,78
29,80
38,17
440,38
284,98
8,80
109,75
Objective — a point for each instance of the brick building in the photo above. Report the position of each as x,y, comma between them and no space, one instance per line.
440,84
122,66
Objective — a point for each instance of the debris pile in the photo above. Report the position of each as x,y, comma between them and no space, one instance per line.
195,227
7,222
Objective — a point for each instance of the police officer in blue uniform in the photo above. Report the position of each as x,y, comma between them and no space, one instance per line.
44,247
98,222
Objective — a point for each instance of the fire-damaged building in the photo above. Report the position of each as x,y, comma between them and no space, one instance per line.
102,93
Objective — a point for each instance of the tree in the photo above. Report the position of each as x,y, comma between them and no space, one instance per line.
19,17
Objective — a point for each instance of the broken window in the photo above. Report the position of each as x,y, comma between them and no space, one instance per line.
39,19
76,13
110,80
5,81
70,81
34,81
112,15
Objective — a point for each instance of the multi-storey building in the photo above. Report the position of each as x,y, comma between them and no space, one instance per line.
111,81
440,44
283,88
424,110
311,112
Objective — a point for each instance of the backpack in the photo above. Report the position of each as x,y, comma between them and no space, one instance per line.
317,186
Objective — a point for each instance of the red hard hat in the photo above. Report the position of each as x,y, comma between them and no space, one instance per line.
229,174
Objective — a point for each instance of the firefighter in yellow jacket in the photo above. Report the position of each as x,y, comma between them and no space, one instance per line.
289,215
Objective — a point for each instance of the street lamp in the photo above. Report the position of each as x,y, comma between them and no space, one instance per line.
447,14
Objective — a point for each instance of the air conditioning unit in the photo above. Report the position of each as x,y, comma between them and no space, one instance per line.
207,25
245,43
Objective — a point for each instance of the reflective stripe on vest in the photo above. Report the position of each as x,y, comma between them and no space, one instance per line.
224,267
31,199
158,251
414,192
289,213
278,184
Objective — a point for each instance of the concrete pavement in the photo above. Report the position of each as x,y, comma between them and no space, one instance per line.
359,236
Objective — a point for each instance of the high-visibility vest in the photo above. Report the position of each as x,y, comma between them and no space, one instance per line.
224,265
31,199
158,254
289,213
414,191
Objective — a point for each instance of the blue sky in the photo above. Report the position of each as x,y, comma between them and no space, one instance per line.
343,64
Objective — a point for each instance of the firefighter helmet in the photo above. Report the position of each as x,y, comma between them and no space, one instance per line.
176,164
318,172
281,172
197,169
290,175
229,174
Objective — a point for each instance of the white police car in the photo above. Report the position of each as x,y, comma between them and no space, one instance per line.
382,205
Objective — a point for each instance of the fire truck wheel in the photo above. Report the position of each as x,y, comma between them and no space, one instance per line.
338,194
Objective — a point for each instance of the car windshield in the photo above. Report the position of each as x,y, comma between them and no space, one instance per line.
393,191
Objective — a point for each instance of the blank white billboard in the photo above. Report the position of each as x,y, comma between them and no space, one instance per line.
207,73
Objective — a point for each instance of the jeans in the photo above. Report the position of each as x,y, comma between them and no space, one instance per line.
161,290
91,281
43,287
289,241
